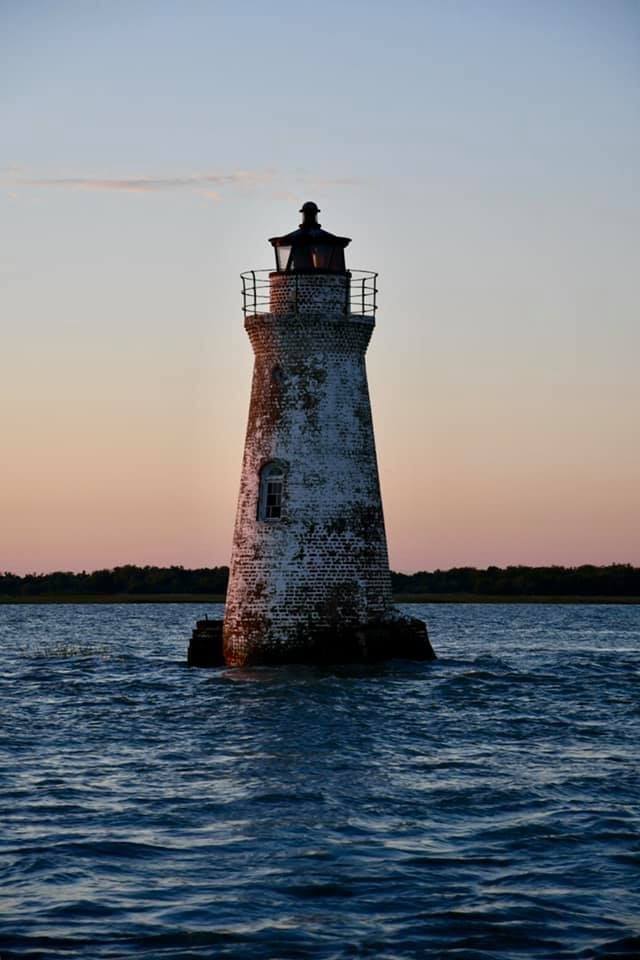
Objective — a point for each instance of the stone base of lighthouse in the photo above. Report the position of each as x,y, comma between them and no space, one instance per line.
393,637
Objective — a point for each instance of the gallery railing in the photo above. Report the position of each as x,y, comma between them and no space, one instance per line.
360,295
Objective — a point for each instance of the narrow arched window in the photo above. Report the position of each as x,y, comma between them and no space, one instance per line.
271,492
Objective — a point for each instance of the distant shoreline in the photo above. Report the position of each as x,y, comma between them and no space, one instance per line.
398,598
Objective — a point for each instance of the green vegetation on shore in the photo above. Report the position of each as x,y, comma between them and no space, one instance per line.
615,583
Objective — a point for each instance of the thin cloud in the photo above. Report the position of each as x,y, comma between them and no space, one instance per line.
210,185
150,184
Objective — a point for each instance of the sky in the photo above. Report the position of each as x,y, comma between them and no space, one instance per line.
484,157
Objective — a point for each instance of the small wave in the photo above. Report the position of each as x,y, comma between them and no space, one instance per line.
278,798
314,891
67,651
625,948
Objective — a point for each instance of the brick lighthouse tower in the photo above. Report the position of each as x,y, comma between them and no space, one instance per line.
309,577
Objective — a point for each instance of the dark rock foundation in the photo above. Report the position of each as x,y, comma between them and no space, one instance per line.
205,646
394,637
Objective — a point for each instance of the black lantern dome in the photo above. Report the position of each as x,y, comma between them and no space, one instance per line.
309,249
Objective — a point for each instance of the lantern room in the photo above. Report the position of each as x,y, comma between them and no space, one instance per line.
310,249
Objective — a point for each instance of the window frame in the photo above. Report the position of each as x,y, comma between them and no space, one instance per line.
273,472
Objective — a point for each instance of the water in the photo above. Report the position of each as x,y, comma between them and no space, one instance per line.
484,806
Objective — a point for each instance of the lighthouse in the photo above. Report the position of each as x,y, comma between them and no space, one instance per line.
309,577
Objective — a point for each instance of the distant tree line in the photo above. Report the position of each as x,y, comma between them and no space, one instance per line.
615,580
121,580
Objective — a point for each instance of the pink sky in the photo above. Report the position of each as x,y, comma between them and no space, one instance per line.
486,166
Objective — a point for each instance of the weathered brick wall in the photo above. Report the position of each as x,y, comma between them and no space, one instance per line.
309,294
326,560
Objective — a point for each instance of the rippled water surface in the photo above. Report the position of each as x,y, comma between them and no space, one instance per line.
482,806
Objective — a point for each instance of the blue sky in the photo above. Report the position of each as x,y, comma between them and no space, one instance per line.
484,158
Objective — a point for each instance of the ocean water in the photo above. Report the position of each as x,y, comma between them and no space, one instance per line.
483,806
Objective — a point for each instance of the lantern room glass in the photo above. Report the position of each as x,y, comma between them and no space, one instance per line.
283,254
321,257
308,257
